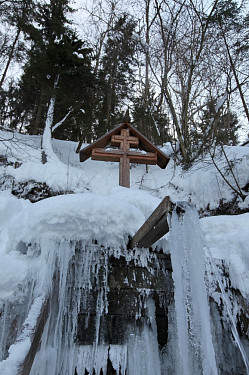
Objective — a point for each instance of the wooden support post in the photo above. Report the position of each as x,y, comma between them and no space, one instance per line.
154,227
124,171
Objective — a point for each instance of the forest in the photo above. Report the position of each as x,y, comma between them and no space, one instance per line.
180,66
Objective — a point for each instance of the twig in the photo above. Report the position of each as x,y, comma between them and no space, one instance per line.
242,196
231,170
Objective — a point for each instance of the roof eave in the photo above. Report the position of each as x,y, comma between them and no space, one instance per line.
103,141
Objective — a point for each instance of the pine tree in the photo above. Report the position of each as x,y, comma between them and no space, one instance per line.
16,17
216,127
150,121
56,52
116,74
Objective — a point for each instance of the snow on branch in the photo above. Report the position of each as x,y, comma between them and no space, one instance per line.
59,123
221,102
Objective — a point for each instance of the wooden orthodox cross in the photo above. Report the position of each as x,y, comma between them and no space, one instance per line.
124,155
125,139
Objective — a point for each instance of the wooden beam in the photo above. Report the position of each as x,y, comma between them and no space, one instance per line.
116,140
106,155
35,336
146,158
115,155
154,227
124,171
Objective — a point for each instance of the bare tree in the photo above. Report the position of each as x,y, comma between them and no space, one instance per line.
184,41
235,71
15,16
10,57
99,21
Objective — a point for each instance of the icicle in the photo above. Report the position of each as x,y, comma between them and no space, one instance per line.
118,358
74,269
142,344
229,310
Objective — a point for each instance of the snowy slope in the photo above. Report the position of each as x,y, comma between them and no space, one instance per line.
202,183
98,208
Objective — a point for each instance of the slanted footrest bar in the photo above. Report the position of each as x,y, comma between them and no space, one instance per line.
154,227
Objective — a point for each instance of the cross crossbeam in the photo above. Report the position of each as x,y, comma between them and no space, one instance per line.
124,155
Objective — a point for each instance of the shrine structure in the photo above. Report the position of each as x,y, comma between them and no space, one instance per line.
124,144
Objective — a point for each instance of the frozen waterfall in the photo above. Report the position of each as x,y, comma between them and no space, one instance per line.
109,310
195,344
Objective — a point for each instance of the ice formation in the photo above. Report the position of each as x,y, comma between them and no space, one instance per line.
192,311
76,277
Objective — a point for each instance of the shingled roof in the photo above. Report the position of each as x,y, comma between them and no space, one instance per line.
144,144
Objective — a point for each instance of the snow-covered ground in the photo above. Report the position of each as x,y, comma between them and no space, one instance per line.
91,205
96,207
202,183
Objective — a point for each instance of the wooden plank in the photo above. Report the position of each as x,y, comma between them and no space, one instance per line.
101,154
114,155
116,140
124,171
139,158
154,227
35,336
106,155
158,231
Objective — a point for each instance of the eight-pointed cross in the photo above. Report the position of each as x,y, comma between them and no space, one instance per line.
124,155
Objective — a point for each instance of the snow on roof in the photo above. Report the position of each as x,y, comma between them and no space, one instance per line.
144,144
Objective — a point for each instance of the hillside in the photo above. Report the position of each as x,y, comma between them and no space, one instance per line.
66,199
23,175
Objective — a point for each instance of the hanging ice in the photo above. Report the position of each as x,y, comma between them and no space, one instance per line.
143,358
192,310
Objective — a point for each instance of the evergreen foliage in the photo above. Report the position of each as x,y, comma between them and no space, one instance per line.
150,121
221,129
116,74
214,128
56,51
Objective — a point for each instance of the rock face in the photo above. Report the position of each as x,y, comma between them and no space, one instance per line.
129,287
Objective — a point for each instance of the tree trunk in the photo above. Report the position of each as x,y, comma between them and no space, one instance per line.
35,127
10,58
235,74
47,134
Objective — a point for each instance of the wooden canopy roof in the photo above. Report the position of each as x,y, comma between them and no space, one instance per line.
144,144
